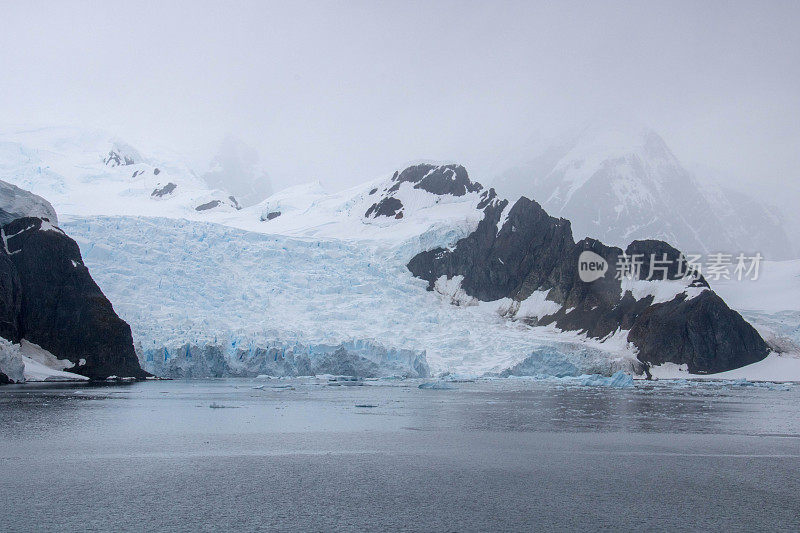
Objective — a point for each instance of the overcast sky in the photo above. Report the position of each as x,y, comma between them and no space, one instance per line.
345,91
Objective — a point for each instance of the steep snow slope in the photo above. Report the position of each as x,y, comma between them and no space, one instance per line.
308,211
179,282
622,183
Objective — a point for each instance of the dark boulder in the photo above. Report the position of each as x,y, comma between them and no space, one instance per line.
61,307
440,180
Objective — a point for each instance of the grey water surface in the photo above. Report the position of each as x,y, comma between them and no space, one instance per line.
314,455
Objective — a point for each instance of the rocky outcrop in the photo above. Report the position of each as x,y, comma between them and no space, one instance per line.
16,203
116,159
167,189
521,252
49,298
702,333
388,207
208,205
10,299
435,179
213,204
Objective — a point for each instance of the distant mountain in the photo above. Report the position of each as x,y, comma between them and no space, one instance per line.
236,169
87,172
623,183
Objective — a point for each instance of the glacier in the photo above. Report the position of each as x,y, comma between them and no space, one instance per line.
205,299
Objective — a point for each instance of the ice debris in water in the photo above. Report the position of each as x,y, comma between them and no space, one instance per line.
618,380
437,385
743,382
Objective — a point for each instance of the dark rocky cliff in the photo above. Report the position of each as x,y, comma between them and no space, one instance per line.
532,251
48,297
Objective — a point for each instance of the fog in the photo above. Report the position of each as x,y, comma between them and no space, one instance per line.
345,91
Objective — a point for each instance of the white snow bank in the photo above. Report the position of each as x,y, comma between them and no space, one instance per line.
661,290
777,368
41,365
11,361
29,362
537,306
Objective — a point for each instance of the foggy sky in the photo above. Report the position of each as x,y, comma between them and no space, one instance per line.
346,91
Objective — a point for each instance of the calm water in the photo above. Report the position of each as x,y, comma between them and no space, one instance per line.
503,455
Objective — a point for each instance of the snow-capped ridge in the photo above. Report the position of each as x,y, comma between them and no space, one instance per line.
619,182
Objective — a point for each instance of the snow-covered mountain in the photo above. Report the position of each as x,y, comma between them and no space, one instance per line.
305,281
622,183
83,172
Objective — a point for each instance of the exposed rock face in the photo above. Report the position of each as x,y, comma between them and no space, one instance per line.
444,179
208,205
530,252
115,159
57,304
435,179
702,333
10,299
388,207
167,189
16,203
